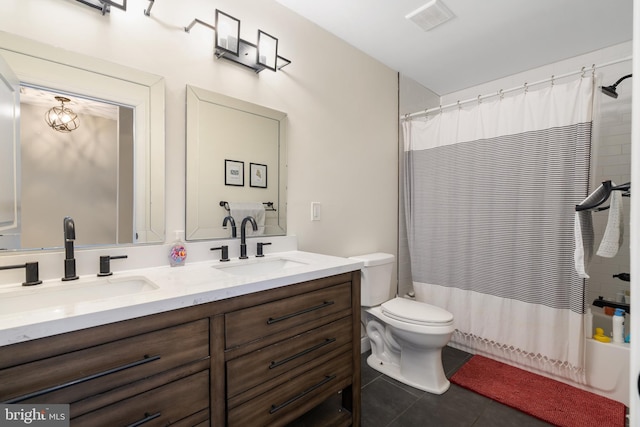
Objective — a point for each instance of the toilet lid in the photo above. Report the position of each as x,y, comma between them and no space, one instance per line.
416,312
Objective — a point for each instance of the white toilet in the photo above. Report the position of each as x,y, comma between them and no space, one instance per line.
406,336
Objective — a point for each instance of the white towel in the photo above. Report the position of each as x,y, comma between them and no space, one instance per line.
583,233
612,239
239,211
583,230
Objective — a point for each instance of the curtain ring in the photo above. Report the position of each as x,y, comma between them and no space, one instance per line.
479,100
593,70
553,82
459,106
501,94
526,87
582,75
440,108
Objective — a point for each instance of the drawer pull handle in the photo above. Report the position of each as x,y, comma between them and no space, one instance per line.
146,359
302,353
276,408
146,419
297,313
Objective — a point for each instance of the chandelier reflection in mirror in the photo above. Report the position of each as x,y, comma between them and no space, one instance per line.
62,118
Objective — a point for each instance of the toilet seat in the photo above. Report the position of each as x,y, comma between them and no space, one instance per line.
417,313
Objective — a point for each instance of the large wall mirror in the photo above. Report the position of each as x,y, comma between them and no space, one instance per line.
236,166
108,174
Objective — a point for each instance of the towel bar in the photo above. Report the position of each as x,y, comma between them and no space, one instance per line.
268,206
608,188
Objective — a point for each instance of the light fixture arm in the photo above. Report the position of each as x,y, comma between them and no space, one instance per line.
105,5
197,21
147,11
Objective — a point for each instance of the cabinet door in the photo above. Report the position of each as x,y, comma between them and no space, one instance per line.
288,401
281,358
254,323
162,406
70,377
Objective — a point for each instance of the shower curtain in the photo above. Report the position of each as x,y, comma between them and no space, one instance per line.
490,195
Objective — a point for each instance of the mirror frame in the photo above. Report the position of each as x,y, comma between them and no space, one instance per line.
196,99
10,133
38,64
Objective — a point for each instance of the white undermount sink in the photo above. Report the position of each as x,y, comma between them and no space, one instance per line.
256,267
40,297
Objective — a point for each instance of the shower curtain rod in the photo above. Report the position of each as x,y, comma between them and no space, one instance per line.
501,92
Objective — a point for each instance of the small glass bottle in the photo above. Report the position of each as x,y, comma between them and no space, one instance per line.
178,252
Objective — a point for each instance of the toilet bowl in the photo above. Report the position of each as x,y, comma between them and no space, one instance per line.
407,336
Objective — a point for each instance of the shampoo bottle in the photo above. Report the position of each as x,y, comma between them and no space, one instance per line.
178,252
588,323
618,326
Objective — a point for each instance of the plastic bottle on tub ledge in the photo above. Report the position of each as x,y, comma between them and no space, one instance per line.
618,326
588,323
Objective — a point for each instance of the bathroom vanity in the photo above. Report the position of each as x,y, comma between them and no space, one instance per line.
284,350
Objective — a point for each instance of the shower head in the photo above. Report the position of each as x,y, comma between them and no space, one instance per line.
611,90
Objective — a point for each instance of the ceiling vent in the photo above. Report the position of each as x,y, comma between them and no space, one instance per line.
430,15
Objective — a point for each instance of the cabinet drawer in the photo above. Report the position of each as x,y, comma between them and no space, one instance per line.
252,323
259,366
72,376
158,407
288,401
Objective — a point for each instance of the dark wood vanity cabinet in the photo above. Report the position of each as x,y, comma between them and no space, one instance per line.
284,356
266,358
155,368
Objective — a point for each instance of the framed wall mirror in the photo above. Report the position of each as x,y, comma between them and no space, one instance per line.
227,137
108,174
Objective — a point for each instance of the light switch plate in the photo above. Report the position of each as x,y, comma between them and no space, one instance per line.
315,211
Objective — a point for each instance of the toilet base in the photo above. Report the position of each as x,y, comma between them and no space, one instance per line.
393,371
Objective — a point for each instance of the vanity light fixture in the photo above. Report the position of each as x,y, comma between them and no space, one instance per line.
105,5
61,118
230,46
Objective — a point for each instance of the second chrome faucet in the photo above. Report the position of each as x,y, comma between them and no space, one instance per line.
69,258
243,235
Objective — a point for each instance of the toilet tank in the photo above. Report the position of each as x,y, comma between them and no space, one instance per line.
375,285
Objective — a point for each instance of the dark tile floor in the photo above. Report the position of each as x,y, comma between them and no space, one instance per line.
387,402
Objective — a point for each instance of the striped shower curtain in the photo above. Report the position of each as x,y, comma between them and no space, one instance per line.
490,193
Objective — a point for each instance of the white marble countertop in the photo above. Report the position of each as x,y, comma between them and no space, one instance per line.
176,287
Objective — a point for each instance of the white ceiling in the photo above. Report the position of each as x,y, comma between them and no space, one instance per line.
487,40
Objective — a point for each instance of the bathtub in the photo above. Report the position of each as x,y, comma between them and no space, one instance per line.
607,364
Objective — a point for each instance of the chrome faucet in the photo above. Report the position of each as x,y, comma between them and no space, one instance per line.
230,219
243,235
69,260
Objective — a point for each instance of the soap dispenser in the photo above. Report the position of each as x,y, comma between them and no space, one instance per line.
178,252
618,326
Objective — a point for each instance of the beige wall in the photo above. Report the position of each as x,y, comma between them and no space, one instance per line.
341,104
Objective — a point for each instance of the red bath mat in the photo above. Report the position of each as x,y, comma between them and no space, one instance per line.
552,401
